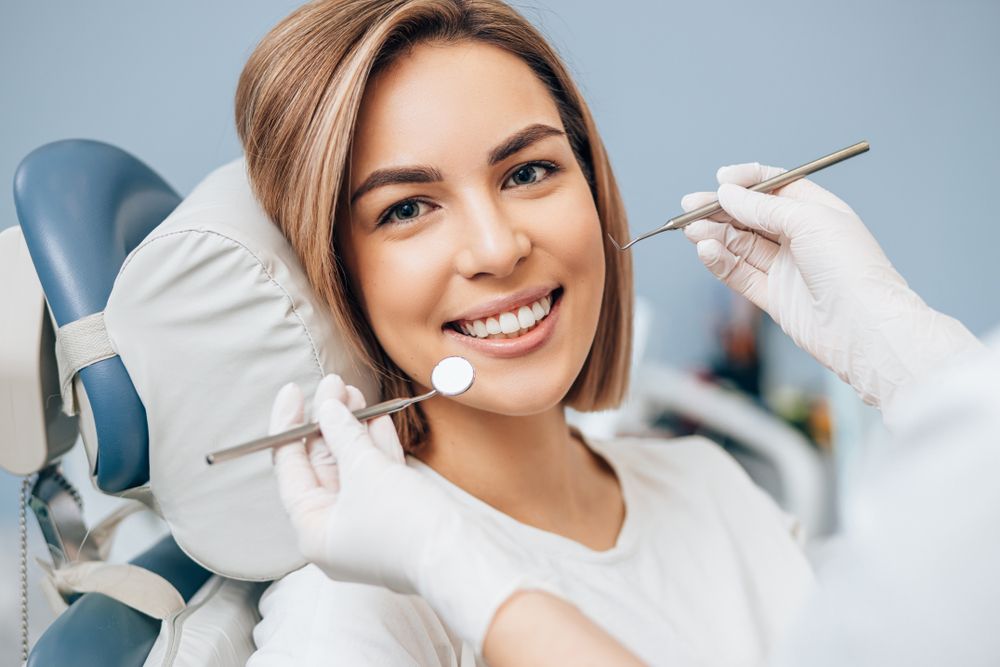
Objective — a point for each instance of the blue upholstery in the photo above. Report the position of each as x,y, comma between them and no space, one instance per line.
83,206
97,631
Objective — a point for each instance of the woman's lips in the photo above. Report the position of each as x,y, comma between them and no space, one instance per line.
505,348
508,303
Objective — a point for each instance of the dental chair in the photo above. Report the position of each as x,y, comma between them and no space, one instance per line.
80,231
160,330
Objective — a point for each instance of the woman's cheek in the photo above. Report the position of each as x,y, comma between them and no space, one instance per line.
588,267
583,243
398,294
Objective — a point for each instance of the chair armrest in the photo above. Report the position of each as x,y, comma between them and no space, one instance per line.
101,632
96,631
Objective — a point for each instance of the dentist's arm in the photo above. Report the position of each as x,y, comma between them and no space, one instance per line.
363,516
912,578
804,257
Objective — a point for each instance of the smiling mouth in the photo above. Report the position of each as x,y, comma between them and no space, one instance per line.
509,324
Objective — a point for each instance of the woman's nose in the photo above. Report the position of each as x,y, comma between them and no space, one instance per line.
493,244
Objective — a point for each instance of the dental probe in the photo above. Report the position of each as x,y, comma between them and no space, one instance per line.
451,376
771,184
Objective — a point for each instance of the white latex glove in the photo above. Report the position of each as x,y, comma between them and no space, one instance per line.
363,516
804,257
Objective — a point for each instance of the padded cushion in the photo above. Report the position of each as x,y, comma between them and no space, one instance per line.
211,315
216,627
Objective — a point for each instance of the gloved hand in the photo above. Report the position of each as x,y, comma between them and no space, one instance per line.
363,516
804,257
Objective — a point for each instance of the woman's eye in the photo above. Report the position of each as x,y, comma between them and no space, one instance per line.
530,173
403,211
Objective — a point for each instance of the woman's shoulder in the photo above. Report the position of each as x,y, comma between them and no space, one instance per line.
689,455
309,619
701,471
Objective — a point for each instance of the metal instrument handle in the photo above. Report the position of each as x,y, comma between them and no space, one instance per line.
311,429
770,185
776,183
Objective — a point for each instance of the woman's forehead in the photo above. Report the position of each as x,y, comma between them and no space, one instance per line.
444,103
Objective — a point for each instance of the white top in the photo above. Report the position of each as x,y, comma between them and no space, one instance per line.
706,571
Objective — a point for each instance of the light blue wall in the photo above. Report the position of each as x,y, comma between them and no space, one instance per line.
677,88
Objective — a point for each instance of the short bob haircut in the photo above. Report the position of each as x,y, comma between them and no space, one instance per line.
296,107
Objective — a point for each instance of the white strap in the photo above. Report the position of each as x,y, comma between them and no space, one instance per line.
134,586
78,345
103,534
131,585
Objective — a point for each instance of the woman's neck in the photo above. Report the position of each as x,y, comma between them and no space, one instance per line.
529,467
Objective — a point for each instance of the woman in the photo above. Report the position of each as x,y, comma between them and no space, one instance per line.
445,187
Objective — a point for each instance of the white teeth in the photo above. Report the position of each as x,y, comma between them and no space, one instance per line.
525,317
511,324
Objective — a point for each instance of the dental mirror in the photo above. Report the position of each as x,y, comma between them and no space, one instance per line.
451,376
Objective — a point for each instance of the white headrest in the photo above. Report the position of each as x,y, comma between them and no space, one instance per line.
211,315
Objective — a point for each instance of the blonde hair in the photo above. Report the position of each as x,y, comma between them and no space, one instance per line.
296,107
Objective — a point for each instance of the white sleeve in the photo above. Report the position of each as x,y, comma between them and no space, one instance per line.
308,620
913,578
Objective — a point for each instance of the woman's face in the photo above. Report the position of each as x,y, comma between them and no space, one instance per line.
473,231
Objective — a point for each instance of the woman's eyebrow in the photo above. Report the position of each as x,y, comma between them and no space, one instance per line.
395,176
521,140
421,174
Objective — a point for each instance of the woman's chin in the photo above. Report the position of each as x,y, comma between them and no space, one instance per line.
520,400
